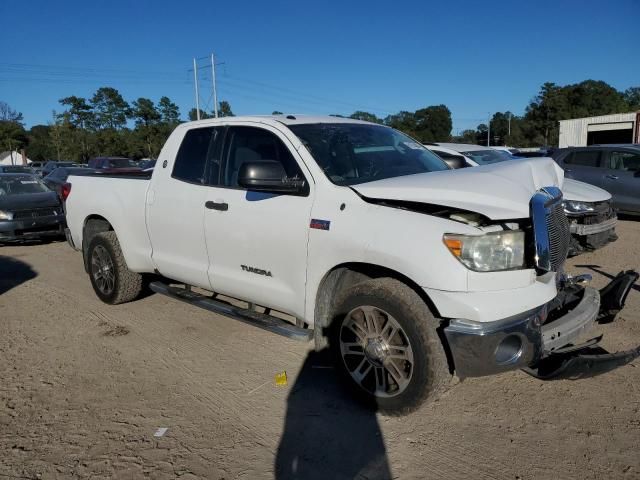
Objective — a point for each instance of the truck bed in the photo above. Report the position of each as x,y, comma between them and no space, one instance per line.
120,199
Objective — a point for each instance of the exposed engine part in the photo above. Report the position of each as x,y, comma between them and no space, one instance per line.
470,218
580,280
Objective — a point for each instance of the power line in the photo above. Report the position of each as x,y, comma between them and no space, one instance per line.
239,86
99,73
312,96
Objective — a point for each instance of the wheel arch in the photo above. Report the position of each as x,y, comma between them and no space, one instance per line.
346,275
93,225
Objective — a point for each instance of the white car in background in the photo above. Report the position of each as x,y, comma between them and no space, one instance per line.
509,150
589,208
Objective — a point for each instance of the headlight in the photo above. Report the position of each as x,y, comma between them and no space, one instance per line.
490,252
4,215
571,206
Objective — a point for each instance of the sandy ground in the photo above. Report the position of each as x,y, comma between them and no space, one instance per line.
84,387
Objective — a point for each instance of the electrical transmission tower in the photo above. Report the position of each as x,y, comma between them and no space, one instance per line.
198,67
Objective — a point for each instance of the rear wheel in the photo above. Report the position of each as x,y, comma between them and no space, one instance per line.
112,281
385,342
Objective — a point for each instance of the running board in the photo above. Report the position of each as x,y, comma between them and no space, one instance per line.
260,320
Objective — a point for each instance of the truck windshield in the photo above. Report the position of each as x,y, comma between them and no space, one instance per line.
357,153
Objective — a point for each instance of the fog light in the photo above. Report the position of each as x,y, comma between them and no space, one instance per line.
509,350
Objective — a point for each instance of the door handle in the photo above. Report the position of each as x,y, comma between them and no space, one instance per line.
567,170
222,206
612,177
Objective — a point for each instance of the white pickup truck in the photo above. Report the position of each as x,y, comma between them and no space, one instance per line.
407,271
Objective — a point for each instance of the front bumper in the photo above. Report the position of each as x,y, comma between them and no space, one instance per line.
587,237
581,229
526,340
25,229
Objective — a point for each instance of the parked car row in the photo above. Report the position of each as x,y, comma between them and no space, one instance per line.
31,196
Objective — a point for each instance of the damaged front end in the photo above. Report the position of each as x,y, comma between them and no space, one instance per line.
545,340
580,360
592,224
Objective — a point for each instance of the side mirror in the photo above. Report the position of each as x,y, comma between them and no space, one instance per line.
269,176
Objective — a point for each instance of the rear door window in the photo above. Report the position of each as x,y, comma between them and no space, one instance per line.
198,157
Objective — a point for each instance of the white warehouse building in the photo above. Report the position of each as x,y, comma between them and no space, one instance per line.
615,128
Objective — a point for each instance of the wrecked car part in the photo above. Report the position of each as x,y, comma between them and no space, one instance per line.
614,295
583,362
542,341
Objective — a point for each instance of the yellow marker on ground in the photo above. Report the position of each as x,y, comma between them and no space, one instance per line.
281,379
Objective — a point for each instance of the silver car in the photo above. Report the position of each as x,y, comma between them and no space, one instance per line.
614,168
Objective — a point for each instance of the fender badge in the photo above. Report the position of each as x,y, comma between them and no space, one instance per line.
319,224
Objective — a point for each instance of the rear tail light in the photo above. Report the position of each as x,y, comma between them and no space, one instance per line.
65,190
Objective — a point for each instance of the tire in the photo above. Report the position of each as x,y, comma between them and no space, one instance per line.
112,281
384,334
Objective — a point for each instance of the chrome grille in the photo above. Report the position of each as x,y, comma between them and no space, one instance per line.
550,228
559,235
36,213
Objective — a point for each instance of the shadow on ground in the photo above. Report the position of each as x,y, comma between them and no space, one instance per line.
326,433
14,272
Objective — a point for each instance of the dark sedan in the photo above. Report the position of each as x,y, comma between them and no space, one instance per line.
56,179
51,165
28,209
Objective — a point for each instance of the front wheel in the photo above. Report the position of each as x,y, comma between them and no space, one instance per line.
386,346
112,281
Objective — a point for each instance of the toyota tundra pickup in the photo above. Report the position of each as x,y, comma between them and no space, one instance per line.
355,235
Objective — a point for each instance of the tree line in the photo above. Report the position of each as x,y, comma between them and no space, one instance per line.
539,125
107,125
103,125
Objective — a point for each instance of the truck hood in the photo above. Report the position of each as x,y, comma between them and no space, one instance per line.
583,192
499,191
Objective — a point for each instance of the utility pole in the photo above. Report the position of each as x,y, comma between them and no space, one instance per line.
213,79
509,125
195,81
489,131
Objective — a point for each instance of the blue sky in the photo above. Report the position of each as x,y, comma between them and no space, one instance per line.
315,57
